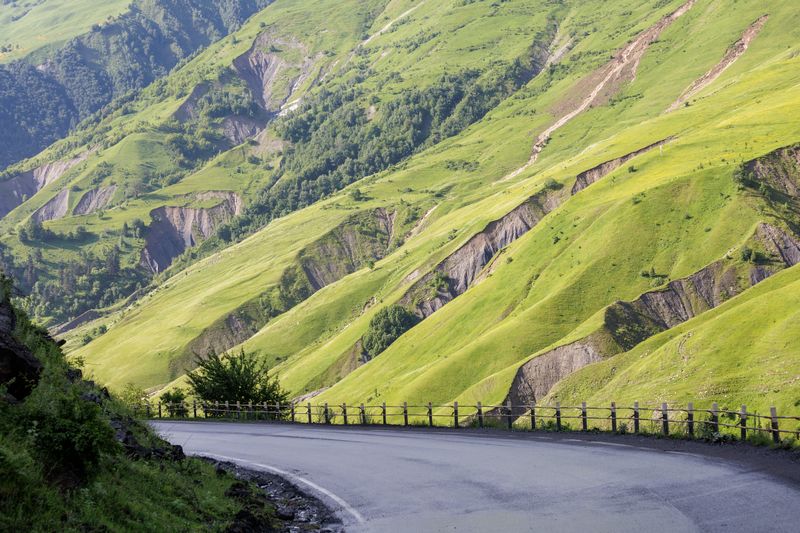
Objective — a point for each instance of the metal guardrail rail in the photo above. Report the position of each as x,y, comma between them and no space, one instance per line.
664,420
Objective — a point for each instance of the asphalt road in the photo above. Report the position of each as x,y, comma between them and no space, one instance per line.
419,480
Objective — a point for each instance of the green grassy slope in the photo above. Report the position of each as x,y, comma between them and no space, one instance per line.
63,470
27,27
676,210
753,363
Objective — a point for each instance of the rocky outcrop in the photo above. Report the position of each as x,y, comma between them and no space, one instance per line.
535,378
587,177
95,200
626,324
263,65
731,55
348,248
187,111
780,243
458,271
175,229
352,245
54,209
238,129
23,186
779,169
19,369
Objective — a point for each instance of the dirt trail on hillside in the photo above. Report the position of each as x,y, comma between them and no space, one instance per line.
604,83
734,52
391,23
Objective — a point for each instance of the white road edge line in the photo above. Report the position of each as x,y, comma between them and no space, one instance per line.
346,506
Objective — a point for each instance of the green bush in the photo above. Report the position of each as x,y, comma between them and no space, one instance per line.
235,378
385,327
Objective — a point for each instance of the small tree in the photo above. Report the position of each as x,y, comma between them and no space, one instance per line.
242,377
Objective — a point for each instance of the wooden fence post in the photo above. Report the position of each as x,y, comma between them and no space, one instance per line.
664,419
455,415
159,408
363,411
584,421
430,414
227,409
147,409
509,415
715,417
238,410
614,417
383,412
194,408
743,422
249,413
308,406
776,434
326,414
533,417
278,411
480,415
636,417
292,412
344,413
558,416
690,419
405,413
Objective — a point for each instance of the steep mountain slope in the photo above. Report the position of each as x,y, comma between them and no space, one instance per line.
45,95
517,174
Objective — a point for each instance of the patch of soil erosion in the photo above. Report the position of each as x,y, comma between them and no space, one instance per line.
460,270
294,509
95,200
601,85
731,55
174,229
626,324
54,209
23,186
351,246
587,177
266,70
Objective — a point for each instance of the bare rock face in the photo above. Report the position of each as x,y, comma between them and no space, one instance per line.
461,268
175,229
348,248
779,243
54,209
779,170
19,369
262,67
23,186
630,323
95,200
587,177
188,109
535,378
238,129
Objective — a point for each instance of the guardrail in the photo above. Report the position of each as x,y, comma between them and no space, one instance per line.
714,423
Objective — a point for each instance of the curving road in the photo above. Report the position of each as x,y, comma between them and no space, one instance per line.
421,480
